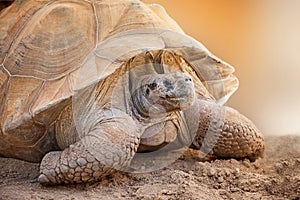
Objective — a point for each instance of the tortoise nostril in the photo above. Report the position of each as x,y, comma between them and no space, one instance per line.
168,85
188,80
153,86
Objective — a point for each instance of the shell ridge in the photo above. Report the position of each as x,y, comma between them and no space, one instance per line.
97,25
32,114
3,67
3,103
119,20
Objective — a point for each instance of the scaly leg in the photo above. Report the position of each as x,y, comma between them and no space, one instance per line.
110,145
223,132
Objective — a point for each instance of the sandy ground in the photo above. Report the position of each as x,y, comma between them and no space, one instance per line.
277,176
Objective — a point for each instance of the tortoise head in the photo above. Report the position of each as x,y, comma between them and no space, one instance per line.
163,93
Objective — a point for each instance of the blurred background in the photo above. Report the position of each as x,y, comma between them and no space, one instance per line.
261,39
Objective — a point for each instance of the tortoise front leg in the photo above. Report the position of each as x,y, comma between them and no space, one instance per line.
223,132
110,145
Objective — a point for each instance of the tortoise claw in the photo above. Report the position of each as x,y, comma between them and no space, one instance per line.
42,179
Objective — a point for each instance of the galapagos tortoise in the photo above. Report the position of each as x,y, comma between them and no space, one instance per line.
85,85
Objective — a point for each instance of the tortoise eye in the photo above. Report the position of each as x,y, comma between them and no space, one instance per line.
152,86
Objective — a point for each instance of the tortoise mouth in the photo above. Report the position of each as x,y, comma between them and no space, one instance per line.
180,101
173,97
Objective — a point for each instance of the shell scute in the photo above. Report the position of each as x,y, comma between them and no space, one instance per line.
53,42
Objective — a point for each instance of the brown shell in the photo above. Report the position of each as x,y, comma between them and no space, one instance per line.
49,49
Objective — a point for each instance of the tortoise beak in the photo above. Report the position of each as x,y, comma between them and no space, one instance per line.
182,92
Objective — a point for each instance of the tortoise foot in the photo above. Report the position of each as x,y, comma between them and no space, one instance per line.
48,175
239,138
225,133
76,165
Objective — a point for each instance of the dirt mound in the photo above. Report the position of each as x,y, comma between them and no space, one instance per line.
277,176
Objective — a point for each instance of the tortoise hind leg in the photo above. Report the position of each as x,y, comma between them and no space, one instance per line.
225,133
110,145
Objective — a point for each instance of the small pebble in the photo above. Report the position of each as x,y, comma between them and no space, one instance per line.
220,179
199,166
252,181
211,172
220,173
234,161
285,163
216,186
246,163
227,172
256,166
236,172
234,189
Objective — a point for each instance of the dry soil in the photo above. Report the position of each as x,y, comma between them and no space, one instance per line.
276,176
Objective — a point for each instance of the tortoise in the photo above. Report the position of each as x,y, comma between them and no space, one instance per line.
87,85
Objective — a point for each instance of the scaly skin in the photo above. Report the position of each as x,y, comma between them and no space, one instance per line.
225,133
239,138
109,146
